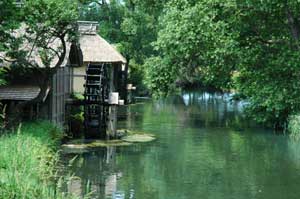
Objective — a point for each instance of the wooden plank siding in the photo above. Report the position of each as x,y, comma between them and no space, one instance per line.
61,90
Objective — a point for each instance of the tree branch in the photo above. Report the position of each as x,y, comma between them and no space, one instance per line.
63,54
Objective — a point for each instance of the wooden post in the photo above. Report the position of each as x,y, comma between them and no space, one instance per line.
112,123
130,97
112,118
126,80
31,112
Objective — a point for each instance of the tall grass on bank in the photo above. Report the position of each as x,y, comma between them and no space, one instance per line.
294,126
28,161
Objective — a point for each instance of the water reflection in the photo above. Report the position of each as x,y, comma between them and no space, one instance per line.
95,172
203,109
206,148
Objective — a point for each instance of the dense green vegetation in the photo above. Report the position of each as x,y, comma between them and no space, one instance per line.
269,60
28,162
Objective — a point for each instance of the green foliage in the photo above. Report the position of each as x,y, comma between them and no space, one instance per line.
109,15
159,76
77,96
270,83
136,77
76,117
139,29
196,40
28,161
269,67
2,77
9,20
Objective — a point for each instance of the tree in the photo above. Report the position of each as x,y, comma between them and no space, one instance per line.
159,76
108,14
9,20
269,68
196,40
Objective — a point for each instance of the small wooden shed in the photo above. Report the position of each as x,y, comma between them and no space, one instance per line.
51,107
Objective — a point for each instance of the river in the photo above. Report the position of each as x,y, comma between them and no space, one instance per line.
205,148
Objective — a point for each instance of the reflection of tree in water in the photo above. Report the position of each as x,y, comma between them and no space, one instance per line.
95,173
193,109
202,109
129,116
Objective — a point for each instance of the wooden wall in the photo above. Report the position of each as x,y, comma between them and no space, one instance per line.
60,92
78,78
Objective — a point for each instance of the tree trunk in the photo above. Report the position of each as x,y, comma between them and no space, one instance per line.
294,25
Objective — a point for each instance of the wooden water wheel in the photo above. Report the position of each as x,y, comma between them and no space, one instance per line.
96,100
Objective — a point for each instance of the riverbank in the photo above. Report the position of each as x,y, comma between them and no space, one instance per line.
29,160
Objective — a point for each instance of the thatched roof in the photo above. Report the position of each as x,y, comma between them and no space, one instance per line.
94,47
20,93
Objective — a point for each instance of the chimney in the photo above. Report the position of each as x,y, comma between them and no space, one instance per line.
88,27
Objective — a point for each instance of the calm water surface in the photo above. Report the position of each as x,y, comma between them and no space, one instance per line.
204,149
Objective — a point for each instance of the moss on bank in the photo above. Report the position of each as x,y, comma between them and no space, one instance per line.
28,162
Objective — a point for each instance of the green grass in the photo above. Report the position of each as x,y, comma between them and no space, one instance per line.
28,162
